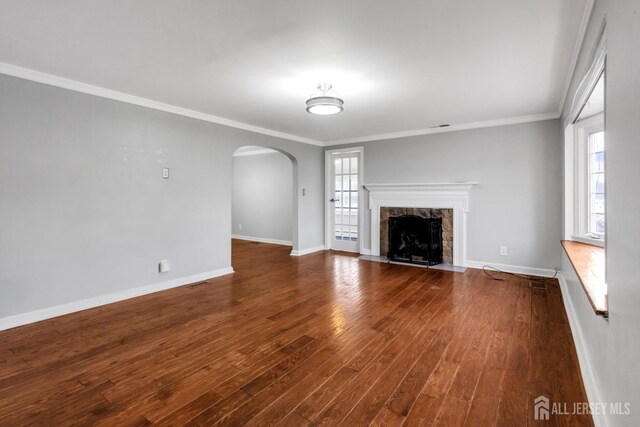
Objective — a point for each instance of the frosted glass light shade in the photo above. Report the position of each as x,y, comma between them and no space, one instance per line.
324,105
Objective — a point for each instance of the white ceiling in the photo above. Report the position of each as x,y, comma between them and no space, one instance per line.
400,66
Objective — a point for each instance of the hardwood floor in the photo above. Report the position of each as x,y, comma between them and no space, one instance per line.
319,339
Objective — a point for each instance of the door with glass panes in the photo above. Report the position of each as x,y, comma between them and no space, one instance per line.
344,201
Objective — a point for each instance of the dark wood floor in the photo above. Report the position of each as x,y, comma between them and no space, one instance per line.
320,339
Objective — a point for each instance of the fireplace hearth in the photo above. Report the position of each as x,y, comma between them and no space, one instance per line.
414,239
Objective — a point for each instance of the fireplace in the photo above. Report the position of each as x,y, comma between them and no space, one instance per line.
449,200
415,240
446,227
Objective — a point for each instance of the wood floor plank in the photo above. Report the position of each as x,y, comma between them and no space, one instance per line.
294,420
343,402
453,413
482,412
320,339
191,410
321,397
219,411
424,411
514,399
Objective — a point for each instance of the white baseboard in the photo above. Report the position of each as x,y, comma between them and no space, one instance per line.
261,240
532,271
365,252
72,307
307,251
584,360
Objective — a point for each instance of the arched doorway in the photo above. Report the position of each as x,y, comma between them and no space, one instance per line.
264,204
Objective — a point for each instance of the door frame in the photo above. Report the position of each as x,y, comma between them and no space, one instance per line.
328,185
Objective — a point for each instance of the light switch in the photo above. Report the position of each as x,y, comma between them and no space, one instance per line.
165,173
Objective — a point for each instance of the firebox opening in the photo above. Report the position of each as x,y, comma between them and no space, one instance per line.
445,214
415,239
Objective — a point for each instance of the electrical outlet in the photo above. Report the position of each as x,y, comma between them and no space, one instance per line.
503,250
239,226
164,266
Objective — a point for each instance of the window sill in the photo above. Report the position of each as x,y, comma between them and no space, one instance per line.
589,240
589,263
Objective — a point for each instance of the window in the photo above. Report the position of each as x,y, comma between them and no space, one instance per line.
346,198
589,169
585,194
596,183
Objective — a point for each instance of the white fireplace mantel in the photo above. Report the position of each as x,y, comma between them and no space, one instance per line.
427,186
440,195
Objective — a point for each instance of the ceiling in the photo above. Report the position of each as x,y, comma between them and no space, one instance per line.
400,66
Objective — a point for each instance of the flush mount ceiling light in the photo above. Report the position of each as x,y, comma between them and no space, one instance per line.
324,101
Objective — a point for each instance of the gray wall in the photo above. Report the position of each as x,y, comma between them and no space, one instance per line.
612,348
518,201
83,208
263,196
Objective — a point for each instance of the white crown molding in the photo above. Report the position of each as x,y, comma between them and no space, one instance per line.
61,82
72,307
255,152
261,240
582,32
452,128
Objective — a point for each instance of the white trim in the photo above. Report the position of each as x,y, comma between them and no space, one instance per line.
328,195
357,251
589,80
307,251
427,186
365,251
61,82
518,269
261,240
589,240
452,128
443,195
590,385
49,79
255,152
581,174
569,177
582,31
72,307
